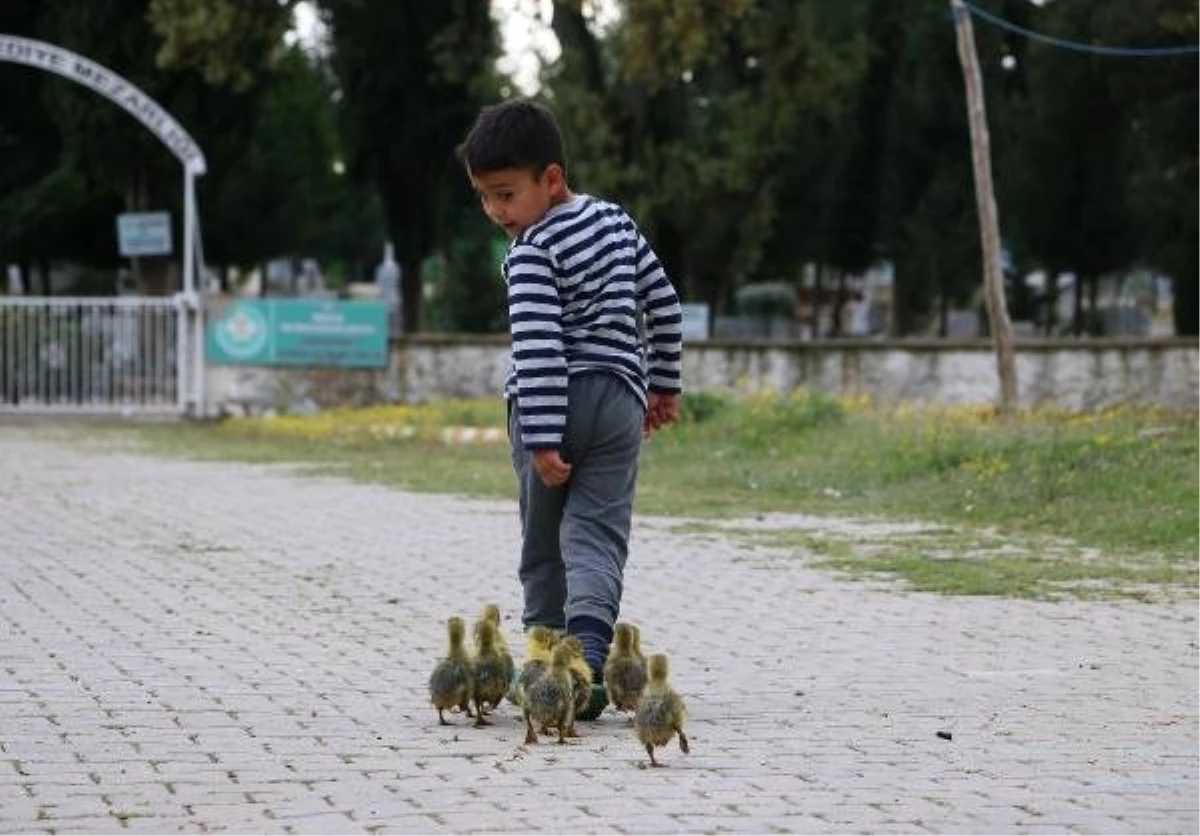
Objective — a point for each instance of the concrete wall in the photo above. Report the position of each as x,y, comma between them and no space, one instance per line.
1075,374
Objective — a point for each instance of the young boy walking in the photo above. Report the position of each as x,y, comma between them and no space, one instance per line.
584,385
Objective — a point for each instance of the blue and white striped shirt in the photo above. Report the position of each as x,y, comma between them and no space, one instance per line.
578,280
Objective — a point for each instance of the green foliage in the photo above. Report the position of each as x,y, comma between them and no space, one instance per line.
468,293
1158,101
928,224
411,77
700,105
73,159
699,407
767,299
749,137
275,196
228,41
1070,174
775,422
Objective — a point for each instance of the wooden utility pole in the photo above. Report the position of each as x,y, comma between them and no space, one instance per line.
985,200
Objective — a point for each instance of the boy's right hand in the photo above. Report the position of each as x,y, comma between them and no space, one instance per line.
551,468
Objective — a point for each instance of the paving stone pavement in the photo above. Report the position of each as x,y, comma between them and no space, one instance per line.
205,647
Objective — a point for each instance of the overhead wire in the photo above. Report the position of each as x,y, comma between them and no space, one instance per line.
1078,46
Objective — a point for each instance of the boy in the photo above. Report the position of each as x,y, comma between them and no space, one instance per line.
582,390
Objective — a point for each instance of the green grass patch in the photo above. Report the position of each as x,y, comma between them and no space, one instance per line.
1121,486
1025,576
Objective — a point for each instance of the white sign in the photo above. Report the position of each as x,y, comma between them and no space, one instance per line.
695,320
113,87
144,233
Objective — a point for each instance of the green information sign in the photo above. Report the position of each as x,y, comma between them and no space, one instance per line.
299,332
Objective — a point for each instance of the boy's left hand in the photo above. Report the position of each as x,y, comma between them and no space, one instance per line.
551,468
661,411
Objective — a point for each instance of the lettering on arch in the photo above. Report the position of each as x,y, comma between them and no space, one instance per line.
115,88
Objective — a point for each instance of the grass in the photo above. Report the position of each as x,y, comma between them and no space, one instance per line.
1098,502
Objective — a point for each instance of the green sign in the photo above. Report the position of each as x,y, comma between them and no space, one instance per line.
299,332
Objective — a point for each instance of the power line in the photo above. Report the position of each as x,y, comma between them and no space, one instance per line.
1063,43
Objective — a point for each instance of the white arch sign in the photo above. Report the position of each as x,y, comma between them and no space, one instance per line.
113,87
43,56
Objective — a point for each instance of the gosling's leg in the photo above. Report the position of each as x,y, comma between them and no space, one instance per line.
683,741
479,721
441,719
530,734
650,752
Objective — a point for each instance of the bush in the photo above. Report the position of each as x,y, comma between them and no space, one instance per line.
777,421
698,407
767,299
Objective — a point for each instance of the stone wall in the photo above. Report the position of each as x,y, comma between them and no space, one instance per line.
1075,374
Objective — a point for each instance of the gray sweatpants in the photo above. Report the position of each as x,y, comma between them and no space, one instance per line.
575,538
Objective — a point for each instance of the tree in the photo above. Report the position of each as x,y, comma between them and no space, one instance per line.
274,184
44,195
270,140
690,112
1158,100
411,78
230,43
1072,171
929,224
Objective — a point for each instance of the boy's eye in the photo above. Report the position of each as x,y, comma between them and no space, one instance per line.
505,196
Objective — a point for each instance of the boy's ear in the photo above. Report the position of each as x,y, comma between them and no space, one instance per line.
556,180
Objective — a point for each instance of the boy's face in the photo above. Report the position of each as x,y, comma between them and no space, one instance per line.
514,199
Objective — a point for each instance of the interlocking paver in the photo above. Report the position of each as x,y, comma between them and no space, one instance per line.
201,647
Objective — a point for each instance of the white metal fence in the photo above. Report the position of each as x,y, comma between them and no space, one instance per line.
121,355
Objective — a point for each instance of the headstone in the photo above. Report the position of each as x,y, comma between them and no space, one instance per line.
695,320
387,279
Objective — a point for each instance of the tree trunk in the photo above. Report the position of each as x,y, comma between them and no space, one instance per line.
989,223
1051,302
815,311
1185,310
943,299
410,295
839,304
1093,320
1077,307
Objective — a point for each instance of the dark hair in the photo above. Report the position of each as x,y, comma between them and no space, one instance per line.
516,133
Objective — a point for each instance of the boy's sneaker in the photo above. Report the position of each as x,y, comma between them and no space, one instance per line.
596,704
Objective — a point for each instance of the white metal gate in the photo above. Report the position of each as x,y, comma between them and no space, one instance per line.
122,355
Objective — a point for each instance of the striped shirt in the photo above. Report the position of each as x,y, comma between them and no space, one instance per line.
578,281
